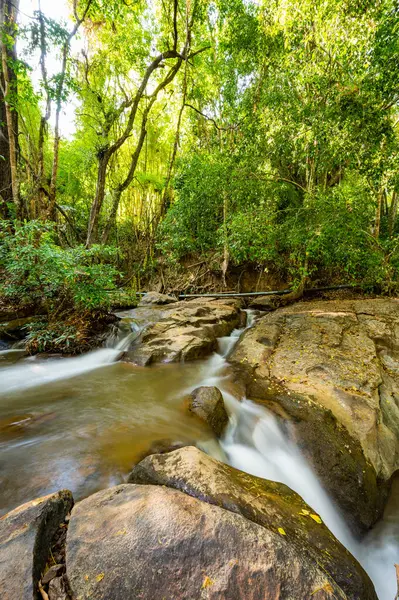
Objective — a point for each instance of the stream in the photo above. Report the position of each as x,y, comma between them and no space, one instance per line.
82,423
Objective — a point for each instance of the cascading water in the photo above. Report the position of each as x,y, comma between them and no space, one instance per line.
32,373
254,441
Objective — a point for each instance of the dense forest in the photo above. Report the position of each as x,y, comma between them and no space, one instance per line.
211,137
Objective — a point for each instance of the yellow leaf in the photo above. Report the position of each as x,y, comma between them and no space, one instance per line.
316,518
304,512
207,582
121,532
281,531
100,577
86,578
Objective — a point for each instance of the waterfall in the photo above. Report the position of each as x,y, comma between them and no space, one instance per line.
255,443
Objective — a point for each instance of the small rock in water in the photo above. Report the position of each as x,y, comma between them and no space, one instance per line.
208,404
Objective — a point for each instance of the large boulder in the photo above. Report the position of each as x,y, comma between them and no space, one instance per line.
25,539
271,505
331,368
151,542
181,331
207,403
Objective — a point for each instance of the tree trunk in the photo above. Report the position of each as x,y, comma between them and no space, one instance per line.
125,184
60,88
92,231
378,214
8,13
112,216
175,145
393,211
5,171
226,254
136,155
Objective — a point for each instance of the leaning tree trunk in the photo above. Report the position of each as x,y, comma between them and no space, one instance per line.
136,154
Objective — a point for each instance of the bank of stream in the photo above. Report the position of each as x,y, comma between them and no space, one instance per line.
82,423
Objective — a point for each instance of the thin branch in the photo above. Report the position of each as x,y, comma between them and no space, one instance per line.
229,128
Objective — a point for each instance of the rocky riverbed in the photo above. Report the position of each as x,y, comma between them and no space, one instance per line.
184,525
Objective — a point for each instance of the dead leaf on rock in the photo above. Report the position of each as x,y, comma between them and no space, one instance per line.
316,518
327,587
207,582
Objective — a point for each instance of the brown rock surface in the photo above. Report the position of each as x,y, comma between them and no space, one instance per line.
154,543
156,298
25,537
207,403
333,366
181,331
272,505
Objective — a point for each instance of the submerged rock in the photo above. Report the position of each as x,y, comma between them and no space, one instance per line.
331,368
208,404
151,542
162,447
156,298
25,537
182,331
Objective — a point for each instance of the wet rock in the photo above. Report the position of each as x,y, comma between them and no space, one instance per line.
271,505
57,589
25,537
208,404
266,303
15,329
156,298
332,367
18,424
182,331
150,542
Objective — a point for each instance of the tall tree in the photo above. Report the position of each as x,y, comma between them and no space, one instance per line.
9,177
129,108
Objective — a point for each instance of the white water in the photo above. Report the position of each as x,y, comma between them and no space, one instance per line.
253,443
31,372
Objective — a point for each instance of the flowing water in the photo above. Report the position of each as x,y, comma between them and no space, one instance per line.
81,423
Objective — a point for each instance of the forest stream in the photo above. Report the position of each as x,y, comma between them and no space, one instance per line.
81,423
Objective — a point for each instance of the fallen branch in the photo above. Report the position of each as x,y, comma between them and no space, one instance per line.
42,592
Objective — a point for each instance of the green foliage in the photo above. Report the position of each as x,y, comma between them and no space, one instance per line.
285,132
38,271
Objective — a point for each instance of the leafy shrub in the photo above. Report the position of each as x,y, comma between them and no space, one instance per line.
38,271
